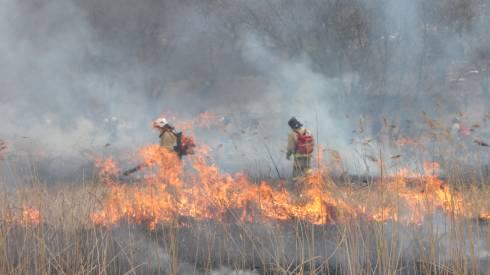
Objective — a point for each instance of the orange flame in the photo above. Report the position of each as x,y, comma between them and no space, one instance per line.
31,216
107,169
26,216
204,193
169,192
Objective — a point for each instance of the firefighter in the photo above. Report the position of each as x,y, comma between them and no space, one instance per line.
300,145
172,140
168,137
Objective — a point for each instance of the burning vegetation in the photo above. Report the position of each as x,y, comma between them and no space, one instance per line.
169,192
188,203
396,91
179,204
181,201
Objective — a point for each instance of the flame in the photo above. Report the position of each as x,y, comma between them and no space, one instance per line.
31,216
207,194
26,216
169,192
107,169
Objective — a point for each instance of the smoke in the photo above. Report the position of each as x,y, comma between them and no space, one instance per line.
294,89
50,93
91,76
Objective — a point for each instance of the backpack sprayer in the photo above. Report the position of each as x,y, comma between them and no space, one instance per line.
184,146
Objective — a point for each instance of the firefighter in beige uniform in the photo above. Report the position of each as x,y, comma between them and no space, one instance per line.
172,140
168,138
300,145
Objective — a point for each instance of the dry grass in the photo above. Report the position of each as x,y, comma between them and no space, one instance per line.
66,242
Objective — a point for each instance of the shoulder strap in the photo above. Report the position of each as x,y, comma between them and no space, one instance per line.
301,134
168,130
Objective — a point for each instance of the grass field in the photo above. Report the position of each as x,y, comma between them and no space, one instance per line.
212,223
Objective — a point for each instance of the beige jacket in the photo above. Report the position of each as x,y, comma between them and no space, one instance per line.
168,140
292,140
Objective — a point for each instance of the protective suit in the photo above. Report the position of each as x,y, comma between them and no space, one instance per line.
302,160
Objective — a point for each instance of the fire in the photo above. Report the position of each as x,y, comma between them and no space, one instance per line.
31,216
107,169
26,216
169,192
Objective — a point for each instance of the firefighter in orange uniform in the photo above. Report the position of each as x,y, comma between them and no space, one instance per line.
300,145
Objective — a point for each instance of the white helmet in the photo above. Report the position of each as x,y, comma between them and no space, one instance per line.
160,122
